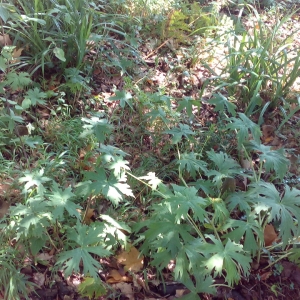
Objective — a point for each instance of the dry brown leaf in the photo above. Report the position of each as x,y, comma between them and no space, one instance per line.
126,289
39,279
44,256
87,159
270,235
114,276
88,216
265,275
5,40
4,206
131,260
267,133
17,53
294,164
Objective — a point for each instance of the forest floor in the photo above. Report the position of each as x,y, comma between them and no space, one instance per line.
168,67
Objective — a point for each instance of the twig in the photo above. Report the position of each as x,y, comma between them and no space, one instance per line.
151,53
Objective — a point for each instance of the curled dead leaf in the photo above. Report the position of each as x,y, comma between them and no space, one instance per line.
270,235
89,215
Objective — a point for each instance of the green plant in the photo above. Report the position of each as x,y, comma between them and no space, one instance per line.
261,67
58,35
47,206
198,231
13,282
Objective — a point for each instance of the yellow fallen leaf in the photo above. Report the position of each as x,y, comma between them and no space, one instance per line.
17,53
131,260
114,277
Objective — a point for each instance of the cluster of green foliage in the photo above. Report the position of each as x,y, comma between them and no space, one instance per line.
190,220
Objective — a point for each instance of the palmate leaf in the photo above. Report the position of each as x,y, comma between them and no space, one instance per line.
165,238
93,288
118,166
242,200
221,213
205,185
243,125
111,187
178,133
87,240
283,209
191,163
185,199
153,181
224,167
202,283
33,179
17,81
231,258
97,126
188,103
32,141
35,217
33,97
221,103
189,261
124,98
75,81
244,229
273,159
111,152
295,255
61,201
158,113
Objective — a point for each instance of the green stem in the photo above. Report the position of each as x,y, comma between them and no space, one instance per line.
196,228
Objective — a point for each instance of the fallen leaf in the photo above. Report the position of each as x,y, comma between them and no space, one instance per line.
4,206
44,256
131,260
294,164
114,276
5,40
126,289
88,217
87,159
267,133
270,235
265,275
39,279
17,53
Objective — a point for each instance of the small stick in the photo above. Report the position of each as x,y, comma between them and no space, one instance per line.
151,53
